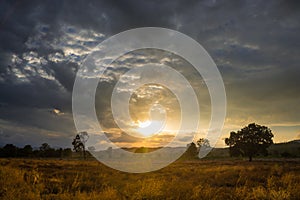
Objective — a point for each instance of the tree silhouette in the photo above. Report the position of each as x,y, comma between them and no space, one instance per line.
203,142
191,152
44,147
79,142
47,151
203,145
250,141
10,150
26,151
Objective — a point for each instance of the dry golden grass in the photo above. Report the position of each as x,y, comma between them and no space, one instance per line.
58,179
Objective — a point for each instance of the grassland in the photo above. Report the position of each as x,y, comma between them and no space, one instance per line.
71,179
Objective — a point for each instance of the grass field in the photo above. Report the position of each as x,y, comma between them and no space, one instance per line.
71,179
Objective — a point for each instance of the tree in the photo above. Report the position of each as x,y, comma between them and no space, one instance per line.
79,142
47,151
203,142
204,146
10,150
26,151
67,152
191,152
250,141
44,147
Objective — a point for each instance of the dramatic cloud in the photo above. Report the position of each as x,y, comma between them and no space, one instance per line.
255,45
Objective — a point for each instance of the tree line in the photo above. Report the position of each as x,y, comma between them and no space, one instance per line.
250,141
45,151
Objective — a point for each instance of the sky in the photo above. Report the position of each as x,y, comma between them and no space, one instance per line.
254,43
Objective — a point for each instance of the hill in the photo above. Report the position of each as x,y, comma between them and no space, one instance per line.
287,149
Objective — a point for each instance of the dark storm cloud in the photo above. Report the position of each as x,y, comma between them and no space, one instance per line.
38,93
40,118
254,43
20,134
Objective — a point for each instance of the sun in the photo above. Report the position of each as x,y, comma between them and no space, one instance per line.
148,128
144,123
